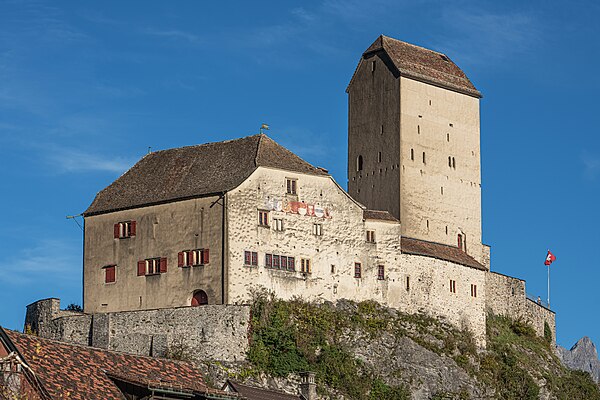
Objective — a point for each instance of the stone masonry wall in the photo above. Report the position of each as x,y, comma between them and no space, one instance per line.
205,333
507,296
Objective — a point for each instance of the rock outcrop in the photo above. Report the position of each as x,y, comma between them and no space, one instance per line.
583,356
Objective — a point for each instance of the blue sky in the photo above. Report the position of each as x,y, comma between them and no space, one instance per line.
86,87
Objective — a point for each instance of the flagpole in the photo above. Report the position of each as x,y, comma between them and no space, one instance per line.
548,286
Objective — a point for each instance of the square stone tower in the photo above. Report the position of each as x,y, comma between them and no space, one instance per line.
413,143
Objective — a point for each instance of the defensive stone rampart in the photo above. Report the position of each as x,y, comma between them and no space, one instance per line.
507,296
204,333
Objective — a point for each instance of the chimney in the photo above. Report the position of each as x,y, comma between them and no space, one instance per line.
308,387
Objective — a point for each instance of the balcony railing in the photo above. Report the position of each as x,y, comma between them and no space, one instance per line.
538,300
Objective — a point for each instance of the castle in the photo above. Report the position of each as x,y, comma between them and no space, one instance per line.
208,224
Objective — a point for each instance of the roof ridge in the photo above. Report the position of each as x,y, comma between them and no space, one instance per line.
414,45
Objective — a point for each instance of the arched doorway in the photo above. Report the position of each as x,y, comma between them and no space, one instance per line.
199,298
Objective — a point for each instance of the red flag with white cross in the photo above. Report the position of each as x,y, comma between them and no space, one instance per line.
550,258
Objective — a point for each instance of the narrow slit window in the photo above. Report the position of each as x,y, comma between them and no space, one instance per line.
380,272
453,163
473,290
408,283
373,66
379,157
424,158
419,129
359,163
412,154
357,270
452,286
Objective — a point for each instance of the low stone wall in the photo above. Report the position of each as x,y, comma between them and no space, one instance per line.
507,296
206,333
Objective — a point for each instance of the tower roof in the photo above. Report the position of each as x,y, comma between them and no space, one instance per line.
195,171
423,64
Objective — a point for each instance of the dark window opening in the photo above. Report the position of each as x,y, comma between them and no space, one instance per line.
379,157
424,158
251,258
453,163
460,241
291,186
473,290
380,272
357,270
332,269
359,163
412,156
452,286
263,218
408,283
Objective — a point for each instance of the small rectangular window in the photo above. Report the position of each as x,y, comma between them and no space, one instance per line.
263,218
412,154
473,290
408,283
380,272
332,269
251,258
379,157
276,261
373,64
452,286
371,236
153,266
305,266
291,185
424,158
110,274
357,270
278,224
318,229
269,260
189,258
123,230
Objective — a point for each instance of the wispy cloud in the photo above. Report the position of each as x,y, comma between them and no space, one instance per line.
482,36
47,259
69,160
591,165
174,34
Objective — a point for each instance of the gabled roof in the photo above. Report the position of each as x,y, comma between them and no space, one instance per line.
86,373
423,64
254,393
440,251
195,171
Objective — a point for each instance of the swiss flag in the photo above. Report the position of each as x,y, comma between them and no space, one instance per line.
549,258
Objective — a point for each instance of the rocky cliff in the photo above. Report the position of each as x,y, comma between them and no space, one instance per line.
366,351
582,356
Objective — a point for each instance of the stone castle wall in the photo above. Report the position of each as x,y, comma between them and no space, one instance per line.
205,333
507,296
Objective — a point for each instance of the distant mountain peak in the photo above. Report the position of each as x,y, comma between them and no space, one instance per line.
583,356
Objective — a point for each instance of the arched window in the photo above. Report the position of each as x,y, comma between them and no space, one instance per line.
359,163
199,298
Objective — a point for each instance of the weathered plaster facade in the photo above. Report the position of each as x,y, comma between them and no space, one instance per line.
162,231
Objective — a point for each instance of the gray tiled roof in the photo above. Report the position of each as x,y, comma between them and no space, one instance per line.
423,64
195,171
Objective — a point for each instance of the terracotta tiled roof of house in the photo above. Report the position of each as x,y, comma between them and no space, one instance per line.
439,251
254,393
86,373
380,215
423,64
195,171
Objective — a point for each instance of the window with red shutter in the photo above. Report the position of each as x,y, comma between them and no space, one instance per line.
357,270
381,272
254,258
247,258
205,256
117,231
268,260
163,265
180,259
109,274
141,267
132,228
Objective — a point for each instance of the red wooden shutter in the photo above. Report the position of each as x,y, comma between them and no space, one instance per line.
163,265
254,258
132,232
180,259
205,256
109,274
247,258
117,231
141,267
